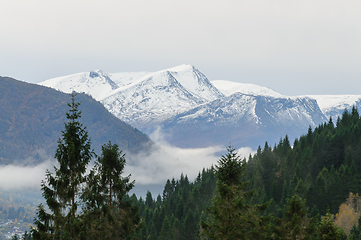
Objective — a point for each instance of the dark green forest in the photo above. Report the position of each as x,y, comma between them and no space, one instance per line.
321,167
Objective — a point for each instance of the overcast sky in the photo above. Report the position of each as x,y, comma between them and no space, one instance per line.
293,47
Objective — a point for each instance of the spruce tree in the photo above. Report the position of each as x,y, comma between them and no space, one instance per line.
190,226
231,217
166,231
62,189
149,201
295,224
108,213
328,230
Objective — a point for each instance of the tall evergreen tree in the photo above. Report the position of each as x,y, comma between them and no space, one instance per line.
295,224
62,190
231,217
328,230
107,213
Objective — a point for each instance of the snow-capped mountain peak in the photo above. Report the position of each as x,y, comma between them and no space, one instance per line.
160,95
196,82
193,81
95,83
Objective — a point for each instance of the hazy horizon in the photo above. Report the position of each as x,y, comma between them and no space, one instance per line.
293,47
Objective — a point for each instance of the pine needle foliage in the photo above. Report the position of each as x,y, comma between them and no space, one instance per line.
62,189
295,224
328,230
84,206
107,214
231,216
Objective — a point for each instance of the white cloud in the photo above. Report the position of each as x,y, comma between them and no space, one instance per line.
146,168
17,177
166,161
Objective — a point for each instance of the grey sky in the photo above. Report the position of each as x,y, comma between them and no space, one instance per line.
293,47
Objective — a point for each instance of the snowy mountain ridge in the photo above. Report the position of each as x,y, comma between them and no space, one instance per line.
193,110
228,88
330,105
145,98
95,83
334,105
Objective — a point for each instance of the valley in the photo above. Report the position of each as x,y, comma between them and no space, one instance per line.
188,121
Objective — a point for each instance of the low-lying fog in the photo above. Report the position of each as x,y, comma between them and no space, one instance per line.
149,170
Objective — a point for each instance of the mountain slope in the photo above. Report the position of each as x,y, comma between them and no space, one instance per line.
243,120
33,116
334,105
330,105
143,99
151,100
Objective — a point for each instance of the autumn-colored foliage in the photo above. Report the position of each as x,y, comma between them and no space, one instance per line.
349,212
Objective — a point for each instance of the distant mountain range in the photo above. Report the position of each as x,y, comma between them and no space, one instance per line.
32,118
142,99
194,112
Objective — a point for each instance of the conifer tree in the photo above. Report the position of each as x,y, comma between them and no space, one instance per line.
355,233
190,226
107,214
166,231
62,189
231,217
295,224
328,230
149,201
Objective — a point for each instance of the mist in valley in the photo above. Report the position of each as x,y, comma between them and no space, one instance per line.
150,169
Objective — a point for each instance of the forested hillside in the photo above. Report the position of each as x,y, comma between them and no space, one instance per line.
322,167
177,213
